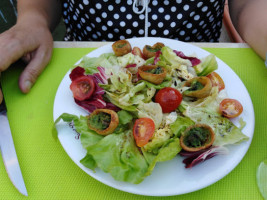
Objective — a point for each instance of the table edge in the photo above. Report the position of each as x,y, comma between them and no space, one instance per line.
63,44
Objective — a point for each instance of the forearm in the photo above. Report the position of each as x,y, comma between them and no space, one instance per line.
250,19
45,12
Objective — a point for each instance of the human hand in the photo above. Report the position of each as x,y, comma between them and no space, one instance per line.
31,41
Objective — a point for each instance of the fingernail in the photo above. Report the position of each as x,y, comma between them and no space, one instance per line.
28,85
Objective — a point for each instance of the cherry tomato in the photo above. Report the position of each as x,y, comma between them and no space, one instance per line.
137,51
216,80
143,131
82,87
169,99
231,108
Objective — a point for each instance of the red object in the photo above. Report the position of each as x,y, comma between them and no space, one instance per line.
131,65
82,87
143,131
157,57
137,51
169,99
230,108
194,158
76,72
194,61
216,80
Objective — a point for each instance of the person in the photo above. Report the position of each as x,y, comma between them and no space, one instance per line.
30,38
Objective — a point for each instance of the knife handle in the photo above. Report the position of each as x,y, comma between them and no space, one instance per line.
3,104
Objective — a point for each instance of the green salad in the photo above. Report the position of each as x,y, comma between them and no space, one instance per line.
144,109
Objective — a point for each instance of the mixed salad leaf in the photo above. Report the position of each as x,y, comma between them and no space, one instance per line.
144,132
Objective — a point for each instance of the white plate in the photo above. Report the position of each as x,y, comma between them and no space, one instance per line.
168,178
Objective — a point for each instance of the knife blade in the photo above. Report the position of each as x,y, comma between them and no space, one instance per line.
9,153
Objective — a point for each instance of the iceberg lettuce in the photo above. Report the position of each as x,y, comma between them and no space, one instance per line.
207,65
151,110
90,64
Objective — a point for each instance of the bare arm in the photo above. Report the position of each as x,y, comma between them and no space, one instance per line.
30,38
46,11
250,19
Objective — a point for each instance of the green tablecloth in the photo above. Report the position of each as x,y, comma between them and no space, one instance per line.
50,174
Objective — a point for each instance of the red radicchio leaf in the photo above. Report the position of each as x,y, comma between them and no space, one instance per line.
194,61
157,57
194,158
195,154
91,104
112,107
101,75
131,65
96,101
76,72
137,77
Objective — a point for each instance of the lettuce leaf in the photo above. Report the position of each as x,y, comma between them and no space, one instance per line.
125,119
118,155
226,132
171,58
194,60
177,66
167,152
89,162
122,92
130,58
180,124
151,110
89,136
166,83
208,65
105,60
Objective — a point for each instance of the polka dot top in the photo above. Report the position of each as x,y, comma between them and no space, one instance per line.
111,20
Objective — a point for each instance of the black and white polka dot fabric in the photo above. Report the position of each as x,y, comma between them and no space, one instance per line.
111,20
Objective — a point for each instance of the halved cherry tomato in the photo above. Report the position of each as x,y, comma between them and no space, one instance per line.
137,51
143,131
231,108
82,87
216,80
169,99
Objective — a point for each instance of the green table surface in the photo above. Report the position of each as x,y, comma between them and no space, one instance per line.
50,174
